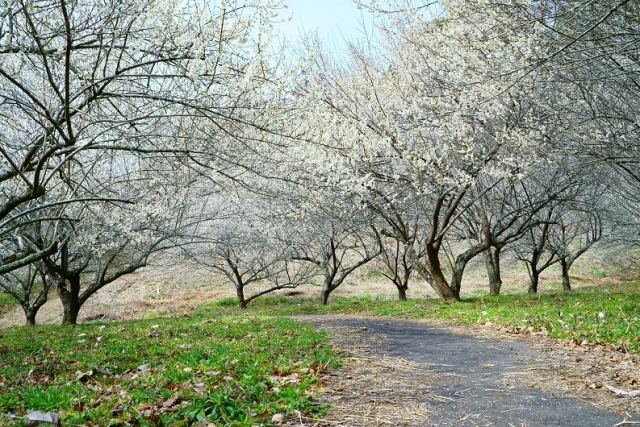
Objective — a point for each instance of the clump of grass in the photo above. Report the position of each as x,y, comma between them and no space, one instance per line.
600,315
234,370
6,302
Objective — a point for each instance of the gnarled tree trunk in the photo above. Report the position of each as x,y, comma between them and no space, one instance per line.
324,295
433,275
492,260
69,297
30,315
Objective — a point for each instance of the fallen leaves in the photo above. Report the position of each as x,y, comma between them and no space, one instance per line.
278,419
589,371
170,402
285,378
146,385
83,377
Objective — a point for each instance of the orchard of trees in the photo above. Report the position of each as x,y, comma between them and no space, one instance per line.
458,131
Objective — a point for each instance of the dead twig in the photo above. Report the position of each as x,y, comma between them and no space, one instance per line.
625,422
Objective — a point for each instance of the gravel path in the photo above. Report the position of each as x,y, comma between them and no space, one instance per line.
472,381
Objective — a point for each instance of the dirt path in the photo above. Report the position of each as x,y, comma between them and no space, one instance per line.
409,373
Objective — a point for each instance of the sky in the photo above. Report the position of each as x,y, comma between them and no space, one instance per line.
334,20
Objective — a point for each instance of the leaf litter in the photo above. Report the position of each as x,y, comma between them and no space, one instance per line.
371,390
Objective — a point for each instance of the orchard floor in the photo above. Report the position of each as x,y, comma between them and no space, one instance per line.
410,373
416,373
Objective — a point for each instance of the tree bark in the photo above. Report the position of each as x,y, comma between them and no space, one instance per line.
324,295
69,298
402,293
31,309
30,315
442,287
433,275
566,282
70,314
242,303
492,260
458,268
534,276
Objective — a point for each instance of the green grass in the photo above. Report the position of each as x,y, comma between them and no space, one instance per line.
7,299
232,370
7,302
237,367
598,315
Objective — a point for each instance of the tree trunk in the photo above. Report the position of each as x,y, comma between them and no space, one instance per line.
566,282
30,314
533,284
324,295
329,284
456,281
242,303
70,314
492,260
31,309
402,293
458,269
69,298
433,275
446,292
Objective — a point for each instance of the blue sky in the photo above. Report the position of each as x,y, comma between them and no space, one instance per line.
334,20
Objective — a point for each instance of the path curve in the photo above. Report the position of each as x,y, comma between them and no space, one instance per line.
468,381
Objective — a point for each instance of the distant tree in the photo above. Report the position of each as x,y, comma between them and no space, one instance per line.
107,241
532,249
29,286
398,268
337,242
506,211
249,246
578,227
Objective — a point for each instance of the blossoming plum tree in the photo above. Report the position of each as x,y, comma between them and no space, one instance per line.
101,77
408,128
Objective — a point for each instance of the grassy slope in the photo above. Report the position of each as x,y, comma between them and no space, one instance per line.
234,370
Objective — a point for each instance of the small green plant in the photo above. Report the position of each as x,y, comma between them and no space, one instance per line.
218,408
151,315
226,302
